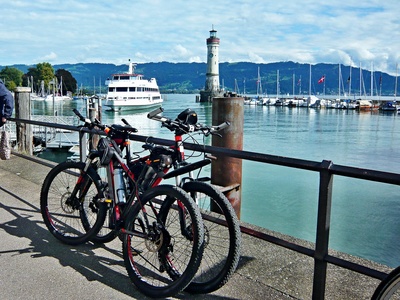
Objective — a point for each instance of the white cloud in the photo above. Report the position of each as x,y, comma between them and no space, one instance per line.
154,30
48,57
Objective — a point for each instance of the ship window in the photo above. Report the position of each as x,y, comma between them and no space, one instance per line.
139,89
111,89
122,89
124,77
132,89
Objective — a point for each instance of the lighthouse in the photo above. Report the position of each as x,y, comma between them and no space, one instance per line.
212,88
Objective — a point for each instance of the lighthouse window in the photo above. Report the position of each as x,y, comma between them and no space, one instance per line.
122,89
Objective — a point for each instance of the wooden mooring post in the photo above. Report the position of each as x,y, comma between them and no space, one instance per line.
24,133
227,171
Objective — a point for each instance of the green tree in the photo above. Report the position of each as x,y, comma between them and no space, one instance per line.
68,81
45,72
12,77
42,72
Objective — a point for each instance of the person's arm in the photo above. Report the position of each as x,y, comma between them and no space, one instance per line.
8,106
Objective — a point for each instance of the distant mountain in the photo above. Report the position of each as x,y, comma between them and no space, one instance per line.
190,77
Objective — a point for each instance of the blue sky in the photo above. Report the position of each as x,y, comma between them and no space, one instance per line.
305,31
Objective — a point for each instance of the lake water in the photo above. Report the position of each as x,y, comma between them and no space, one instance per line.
365,215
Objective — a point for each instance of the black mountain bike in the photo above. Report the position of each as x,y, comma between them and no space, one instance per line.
221,225
161,226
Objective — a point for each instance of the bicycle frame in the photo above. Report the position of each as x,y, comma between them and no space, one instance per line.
181,166
121,213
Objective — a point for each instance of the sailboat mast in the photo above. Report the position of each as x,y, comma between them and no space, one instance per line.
309,83
340,75
395,84
350,83
277,84
372,80
293,83
360,80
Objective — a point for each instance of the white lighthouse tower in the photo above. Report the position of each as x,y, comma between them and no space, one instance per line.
212,88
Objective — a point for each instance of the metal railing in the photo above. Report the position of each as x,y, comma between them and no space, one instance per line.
326,170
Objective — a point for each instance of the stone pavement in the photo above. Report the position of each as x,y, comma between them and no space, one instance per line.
34,265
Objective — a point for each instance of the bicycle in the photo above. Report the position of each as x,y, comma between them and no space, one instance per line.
161,227
222,229
389,288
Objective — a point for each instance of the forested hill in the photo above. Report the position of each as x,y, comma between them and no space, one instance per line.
190,77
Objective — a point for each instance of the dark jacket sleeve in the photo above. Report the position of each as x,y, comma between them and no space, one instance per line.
8,105
6,102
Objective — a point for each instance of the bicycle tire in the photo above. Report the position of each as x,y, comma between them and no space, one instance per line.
72,221
222,242
164,262
389,288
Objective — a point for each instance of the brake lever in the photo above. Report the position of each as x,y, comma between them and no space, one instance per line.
216,133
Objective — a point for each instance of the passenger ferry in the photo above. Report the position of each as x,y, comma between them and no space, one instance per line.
130,91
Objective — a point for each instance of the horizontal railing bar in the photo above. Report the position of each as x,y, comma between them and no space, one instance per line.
355,267
360,173
277,241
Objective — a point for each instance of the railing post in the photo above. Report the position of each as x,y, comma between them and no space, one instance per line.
323,226
23,111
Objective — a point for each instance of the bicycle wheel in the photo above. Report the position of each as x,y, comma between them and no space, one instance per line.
389,288
222,238
164,242
72,220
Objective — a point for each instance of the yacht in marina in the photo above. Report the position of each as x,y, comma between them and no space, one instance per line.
130,91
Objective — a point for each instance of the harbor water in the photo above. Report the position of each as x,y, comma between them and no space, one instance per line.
365,215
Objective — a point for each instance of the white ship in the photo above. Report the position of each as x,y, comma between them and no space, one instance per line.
129,91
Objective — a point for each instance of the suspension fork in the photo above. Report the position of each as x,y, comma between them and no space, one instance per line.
180,150
81,187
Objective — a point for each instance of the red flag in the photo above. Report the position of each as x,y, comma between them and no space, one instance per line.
322,79
298,82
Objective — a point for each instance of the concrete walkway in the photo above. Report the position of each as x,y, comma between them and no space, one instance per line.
34,265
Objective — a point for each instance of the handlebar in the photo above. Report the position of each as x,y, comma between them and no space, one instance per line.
155,112
106,128
180,127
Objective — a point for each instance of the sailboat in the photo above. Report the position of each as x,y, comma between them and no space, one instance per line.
258,99
292,102
311,101
365,104
57,96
